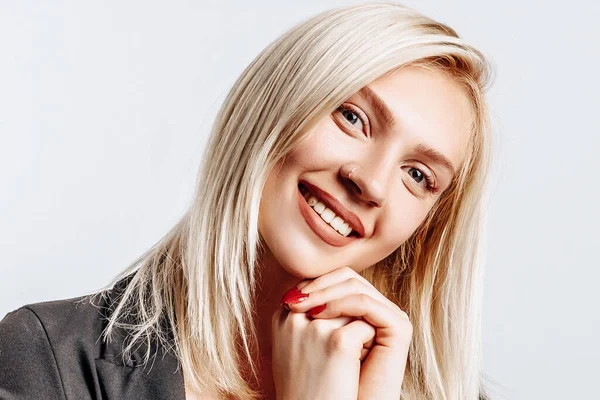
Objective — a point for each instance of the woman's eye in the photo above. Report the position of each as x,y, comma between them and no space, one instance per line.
418,176
351,117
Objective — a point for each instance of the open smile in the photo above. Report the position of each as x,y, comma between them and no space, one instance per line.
333,229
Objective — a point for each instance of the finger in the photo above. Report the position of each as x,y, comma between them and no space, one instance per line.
390,326
359,330
284,319
342,274
338,275
357,333
339,290
331,324
302,284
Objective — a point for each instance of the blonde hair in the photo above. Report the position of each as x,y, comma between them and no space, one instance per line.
193,291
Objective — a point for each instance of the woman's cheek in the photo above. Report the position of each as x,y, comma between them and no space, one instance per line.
399,225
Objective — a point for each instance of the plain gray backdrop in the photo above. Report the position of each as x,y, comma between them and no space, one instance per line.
105,108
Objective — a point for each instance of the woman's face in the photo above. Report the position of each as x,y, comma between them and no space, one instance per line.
384,130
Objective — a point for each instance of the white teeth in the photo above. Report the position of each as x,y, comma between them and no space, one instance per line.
344,229
337,222
319,207
328,215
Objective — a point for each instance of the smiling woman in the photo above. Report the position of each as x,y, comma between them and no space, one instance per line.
331,250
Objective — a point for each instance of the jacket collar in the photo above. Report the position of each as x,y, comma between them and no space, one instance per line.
160,378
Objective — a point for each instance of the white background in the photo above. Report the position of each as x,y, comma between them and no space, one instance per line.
105,108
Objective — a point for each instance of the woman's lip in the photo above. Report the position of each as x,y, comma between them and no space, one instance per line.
320,227
337,207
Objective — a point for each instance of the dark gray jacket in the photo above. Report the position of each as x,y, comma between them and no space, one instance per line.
52,350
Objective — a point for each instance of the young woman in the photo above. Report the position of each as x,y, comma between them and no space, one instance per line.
332,247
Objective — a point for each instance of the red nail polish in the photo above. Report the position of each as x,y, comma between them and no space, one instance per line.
315,310
293,296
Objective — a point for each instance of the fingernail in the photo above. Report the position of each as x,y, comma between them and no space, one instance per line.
293,296
317,309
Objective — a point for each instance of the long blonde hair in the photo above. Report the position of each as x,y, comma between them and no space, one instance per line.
193,291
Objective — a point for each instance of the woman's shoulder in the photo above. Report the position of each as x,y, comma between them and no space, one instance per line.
59,318
57,348
66,321
77,320
43,345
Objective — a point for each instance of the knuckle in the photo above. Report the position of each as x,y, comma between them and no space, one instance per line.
340,342
320,327
347,272
295,320
363,298
355,284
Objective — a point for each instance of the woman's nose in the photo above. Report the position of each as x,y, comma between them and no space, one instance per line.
368,184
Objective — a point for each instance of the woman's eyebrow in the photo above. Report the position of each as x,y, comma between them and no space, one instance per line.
436,157
378,106
383,112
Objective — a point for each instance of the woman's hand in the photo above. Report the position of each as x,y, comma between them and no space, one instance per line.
380,333
313,359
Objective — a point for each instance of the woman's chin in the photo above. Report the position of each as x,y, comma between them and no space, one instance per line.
276,255
302,272
300,265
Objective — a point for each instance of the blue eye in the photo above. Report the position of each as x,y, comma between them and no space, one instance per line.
350,116
353,118
420,176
